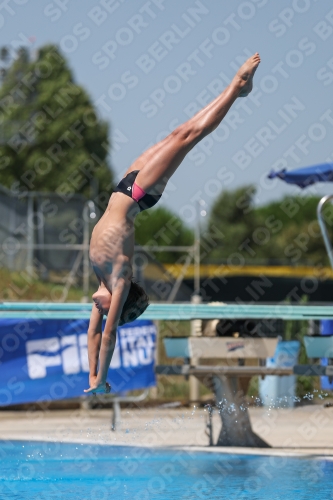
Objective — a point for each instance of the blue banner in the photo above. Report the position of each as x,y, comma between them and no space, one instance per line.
45,360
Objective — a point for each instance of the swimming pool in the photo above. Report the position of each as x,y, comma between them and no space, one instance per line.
44,470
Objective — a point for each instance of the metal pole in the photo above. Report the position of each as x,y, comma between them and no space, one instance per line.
323,228
30,234
88,214
197,254
180,278
196,331
12,222
43,271
196,325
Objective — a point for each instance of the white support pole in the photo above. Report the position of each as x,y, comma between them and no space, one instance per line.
197,254
30,234
196,325
196,330
88,214
85,257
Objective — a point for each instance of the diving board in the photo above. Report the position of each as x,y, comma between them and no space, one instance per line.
178,311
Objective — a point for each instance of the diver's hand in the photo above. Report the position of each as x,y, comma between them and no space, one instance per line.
98,388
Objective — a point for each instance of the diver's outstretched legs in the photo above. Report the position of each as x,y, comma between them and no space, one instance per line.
159,162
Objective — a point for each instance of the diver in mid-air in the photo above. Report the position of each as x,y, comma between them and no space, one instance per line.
112,241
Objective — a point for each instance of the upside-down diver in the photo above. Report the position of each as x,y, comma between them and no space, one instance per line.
112,240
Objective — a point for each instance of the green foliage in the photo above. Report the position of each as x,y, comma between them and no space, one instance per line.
51,137
286,231
231,222
160,227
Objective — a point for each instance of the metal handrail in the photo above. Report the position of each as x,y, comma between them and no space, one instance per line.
116,400
130,399
323,228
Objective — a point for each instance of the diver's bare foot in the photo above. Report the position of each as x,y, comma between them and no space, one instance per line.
244,76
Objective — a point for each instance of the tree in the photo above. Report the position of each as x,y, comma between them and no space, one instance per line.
160,227
297,237
231,223
50,136
284,231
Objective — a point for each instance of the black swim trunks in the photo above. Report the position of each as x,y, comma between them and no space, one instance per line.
128,186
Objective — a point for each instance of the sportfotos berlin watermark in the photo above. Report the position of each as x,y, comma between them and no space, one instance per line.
284,115
10,8
118,91
241,112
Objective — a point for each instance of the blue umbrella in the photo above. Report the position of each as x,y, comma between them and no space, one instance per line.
303,177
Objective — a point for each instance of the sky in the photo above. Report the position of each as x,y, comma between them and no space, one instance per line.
149,65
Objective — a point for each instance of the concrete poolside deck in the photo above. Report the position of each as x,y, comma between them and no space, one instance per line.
305,430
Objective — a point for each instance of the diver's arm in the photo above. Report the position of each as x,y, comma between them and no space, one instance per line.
94,341
109,337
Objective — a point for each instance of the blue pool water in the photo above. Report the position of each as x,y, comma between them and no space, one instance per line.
86,472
